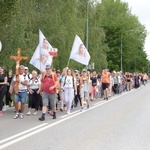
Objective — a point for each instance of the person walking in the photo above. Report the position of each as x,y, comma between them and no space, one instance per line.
34,93
105,80
61,90
129,81
3,82
77,96
84,89
21,96
49,83
94,81
69,89
116,83
9,101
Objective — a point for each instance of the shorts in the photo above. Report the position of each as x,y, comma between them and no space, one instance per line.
49,98
105,86
84,94
21,97
129,82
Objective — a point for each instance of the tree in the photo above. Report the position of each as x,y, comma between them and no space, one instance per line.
61,20
117,20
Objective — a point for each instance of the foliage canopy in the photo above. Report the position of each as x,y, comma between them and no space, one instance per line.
110,24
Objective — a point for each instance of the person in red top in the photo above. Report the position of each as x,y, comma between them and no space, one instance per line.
49,83
105,80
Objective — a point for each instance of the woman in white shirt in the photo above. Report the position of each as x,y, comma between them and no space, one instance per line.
70,89
34,93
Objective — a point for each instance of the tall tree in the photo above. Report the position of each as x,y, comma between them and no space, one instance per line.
61,20
119,23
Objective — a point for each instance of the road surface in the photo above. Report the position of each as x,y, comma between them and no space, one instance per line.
121,123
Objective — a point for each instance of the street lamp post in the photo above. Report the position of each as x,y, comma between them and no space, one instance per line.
121,65
87,24
121,55
87,27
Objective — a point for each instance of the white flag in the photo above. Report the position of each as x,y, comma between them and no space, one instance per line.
40,59
0,45
42,55
44,44
79,52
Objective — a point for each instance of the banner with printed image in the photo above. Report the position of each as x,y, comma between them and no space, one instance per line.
79,52
43,54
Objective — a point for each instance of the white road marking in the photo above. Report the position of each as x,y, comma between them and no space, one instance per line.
21,133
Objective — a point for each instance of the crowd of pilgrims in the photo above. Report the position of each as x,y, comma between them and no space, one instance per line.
75,89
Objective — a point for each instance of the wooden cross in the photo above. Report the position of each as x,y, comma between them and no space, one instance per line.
18,58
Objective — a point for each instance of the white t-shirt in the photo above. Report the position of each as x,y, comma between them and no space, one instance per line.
22,78
119,79
68,82
29,76
34,84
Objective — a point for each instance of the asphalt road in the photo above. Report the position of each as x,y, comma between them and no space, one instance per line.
121,123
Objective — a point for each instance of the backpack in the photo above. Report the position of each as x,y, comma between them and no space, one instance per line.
44,75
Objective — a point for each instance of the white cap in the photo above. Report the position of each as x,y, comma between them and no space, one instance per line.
26,68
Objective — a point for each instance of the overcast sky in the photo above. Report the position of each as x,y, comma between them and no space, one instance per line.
141,8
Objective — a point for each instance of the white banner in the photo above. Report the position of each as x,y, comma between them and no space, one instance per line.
0,45
79,52
43,54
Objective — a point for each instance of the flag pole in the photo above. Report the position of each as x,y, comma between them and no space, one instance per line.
40,48
68,63
0,46
87,26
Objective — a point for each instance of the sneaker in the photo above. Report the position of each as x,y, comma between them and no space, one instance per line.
88,106
1,114
35,113
16,116
12,104
28,113
61,109
51,113
42,118
54,117
4,108
82,109
68,112
21,116
72,107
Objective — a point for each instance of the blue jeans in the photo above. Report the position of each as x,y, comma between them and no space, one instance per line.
21,97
